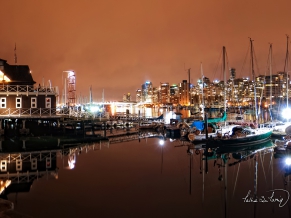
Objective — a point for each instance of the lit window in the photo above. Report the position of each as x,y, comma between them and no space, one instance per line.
47,102
18,103
3,103
33,102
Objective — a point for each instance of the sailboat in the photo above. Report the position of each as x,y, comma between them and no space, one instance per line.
284,128
241,136
202,125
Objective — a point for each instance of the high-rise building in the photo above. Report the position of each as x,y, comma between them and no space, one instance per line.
126,97
155,96
164,93
147,92
174,94
184,93
138,95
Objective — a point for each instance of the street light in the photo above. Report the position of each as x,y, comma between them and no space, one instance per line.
286,113
288,161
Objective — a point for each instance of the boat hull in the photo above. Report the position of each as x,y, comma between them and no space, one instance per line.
239,142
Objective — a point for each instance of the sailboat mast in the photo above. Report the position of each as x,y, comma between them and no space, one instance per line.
286,70
202,94
224,77
254,79
271,74
189,87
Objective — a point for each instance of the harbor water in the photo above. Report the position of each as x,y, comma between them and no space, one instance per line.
142,178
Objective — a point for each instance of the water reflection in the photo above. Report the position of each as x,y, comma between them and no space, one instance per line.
143,178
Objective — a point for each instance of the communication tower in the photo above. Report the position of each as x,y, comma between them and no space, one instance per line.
70,88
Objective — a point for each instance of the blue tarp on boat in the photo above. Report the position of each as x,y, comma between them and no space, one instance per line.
198,124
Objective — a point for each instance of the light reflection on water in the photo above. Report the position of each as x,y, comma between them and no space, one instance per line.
143,179
150,111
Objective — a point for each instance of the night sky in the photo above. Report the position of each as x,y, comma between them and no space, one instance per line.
118,45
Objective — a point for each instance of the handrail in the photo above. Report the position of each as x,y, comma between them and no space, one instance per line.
27,89
44,112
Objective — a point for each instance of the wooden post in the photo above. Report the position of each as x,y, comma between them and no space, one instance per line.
83,128
104,129
92,127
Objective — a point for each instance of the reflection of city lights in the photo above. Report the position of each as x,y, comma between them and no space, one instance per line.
72,161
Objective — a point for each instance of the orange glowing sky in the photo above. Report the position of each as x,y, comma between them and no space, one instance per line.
117,45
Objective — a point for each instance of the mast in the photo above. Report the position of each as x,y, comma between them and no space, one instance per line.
224,78
202,95
225,189
255,183
90,95
189,87
286,70
254,78
15,55
103,98
271,74
66,91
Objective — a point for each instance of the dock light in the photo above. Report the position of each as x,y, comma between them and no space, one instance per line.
94,108
286,113
288,161
162,142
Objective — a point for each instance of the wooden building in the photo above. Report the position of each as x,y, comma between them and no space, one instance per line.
21,98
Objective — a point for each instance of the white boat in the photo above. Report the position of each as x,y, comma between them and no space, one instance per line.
235,135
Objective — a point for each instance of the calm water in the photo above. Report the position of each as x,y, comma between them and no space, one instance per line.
143,179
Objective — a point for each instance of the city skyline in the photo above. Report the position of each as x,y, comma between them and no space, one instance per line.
117,46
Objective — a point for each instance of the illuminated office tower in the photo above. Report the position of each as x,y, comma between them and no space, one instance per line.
147,92
174,94
164,93
138,95
184,93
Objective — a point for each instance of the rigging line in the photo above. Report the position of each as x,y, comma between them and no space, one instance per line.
263,167
256,62
233,176
221,186
287,55
246,56
235,180
269,59
217,64
226,62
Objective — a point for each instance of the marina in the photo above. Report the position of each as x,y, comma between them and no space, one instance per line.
179,149
173,172
145,109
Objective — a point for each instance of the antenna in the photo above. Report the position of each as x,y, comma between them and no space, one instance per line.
15,56
189,86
